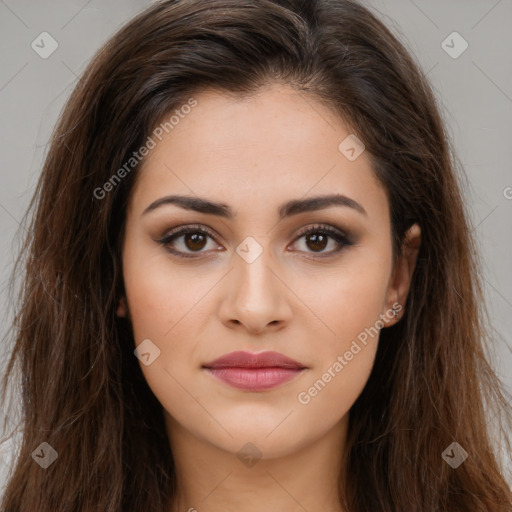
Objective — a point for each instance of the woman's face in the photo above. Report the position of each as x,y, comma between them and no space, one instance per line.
255,282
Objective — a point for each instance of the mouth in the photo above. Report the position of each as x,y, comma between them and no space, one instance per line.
254,372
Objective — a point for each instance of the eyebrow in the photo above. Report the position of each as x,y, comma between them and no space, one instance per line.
292,207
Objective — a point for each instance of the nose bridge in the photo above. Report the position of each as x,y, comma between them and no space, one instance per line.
258,297
254,280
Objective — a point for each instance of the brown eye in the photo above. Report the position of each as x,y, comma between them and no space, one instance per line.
317,241
318,238
186,241
195,241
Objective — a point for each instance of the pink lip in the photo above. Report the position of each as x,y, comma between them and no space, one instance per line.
254,372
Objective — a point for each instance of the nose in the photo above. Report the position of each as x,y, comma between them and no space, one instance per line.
256,297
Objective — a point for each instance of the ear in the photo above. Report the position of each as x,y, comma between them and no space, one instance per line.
401,276
122,309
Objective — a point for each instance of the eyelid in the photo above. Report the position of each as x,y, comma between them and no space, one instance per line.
190,227
327,228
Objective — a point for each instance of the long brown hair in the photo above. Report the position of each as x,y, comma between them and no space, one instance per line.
82,389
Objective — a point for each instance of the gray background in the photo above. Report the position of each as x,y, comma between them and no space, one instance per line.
474,90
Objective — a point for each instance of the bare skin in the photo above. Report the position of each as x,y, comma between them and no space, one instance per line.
300,297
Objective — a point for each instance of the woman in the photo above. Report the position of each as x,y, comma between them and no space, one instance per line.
250,278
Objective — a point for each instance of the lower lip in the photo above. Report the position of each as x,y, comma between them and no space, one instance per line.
255,379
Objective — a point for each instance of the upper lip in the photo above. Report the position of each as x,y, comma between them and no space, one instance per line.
241,359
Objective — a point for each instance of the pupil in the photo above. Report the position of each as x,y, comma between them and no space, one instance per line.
195,241
319,241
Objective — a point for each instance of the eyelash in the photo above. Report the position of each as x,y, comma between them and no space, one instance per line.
323,229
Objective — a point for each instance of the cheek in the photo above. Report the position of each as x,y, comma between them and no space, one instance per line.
330,392
350,306
161,298
170,310
346,301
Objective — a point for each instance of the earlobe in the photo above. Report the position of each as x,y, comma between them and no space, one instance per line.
402,275
121,308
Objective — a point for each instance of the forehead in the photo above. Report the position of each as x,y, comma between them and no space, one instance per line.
276,145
